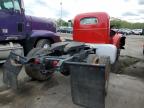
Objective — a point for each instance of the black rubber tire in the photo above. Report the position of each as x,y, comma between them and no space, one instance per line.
34,70
118,54
41,43
91,58
65,71
33,52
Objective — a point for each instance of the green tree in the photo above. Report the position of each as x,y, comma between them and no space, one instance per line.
124,24
61,22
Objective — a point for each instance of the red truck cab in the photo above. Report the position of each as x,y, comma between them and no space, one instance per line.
94,28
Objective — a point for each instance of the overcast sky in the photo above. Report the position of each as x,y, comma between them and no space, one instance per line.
130,10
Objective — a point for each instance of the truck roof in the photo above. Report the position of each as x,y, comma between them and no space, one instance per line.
92,27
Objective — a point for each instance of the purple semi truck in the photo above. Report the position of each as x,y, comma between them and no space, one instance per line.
20,31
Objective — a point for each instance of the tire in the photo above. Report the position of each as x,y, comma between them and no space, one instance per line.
65,71
143,49
43,43
118,54
92,59
37,71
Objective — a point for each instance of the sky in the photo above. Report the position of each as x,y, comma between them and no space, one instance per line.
129,10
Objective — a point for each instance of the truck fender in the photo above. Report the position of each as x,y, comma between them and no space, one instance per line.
42,33
45,34
35,35
105,50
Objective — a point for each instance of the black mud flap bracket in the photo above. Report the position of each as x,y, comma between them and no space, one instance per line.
12,68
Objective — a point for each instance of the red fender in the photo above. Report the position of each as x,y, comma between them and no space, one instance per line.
116,40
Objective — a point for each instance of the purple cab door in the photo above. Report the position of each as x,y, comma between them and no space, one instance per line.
11,20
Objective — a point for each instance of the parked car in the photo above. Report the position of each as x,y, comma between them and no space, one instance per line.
65,30
137,31
125,31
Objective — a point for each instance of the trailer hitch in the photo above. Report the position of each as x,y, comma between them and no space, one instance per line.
15,62
12,68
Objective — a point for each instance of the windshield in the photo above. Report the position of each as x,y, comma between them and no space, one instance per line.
8,5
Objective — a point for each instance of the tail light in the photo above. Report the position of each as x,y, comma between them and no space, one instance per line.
54,63
51,63
36,61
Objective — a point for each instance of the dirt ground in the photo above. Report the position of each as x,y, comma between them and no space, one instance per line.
126,86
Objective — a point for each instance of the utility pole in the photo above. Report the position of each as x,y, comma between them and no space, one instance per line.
61,13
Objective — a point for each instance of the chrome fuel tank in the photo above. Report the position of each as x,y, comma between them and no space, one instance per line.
5,49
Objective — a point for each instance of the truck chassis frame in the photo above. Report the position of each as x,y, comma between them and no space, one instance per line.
72,57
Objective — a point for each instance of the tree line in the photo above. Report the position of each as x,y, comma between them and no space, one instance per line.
61,22
124,24
115,23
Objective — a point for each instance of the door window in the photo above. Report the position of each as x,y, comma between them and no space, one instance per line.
6,4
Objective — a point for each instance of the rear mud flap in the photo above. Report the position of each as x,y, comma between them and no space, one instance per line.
88,84
11,69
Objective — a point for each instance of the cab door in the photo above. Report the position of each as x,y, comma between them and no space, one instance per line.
12,20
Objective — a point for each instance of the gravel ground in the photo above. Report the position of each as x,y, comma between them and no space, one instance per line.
126,86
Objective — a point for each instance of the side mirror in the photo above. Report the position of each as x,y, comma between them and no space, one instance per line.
22,6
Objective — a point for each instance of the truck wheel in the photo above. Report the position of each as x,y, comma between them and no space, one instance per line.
37,71
43,43
65,71
118,54
92,58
